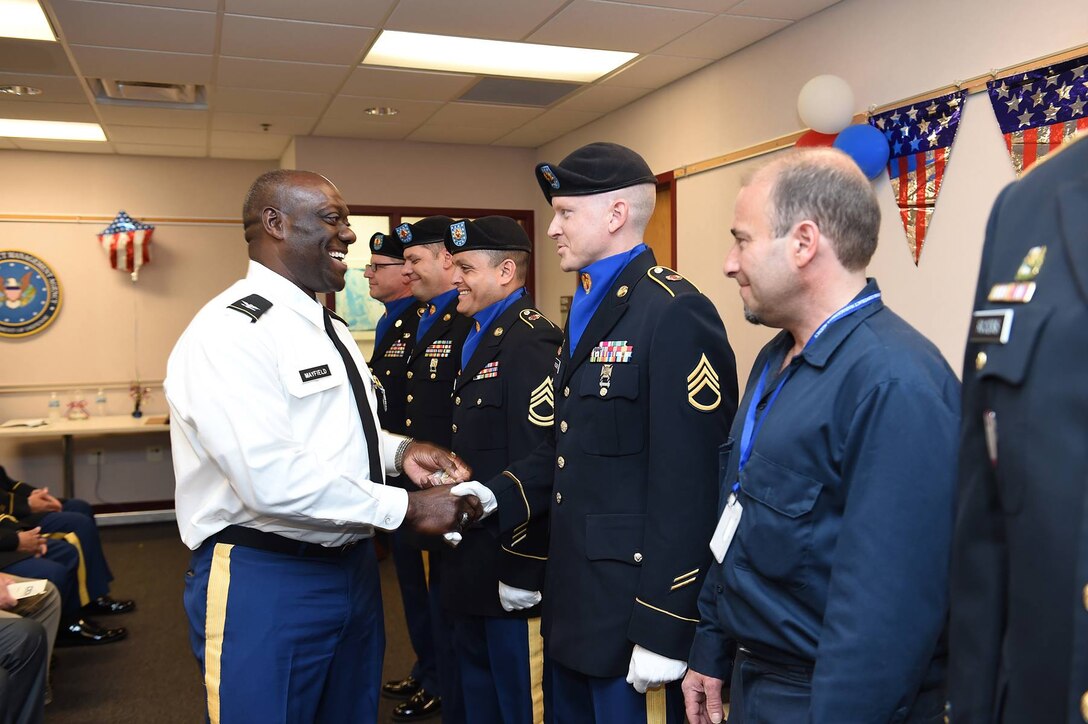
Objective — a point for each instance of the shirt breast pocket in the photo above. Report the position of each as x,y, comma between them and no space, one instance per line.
776,528
608,410
481,422
1002,377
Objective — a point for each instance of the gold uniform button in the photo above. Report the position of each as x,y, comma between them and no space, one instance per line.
558,498
637,557
409,374
408,422
561,462
980,360
1085,594
479,401
410,398
397,323
457,400
433,375
1084,706
566,392
563,428
388,372
455,427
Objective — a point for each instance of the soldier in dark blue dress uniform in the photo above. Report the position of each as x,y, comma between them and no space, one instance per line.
432,366
645,390
503,409
1019,630
394,338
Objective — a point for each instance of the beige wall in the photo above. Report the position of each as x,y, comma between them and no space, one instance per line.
93,341
751,97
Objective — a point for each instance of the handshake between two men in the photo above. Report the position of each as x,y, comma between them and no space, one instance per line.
445,504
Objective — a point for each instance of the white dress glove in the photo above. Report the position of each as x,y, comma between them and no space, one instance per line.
650,671
481,491
517,599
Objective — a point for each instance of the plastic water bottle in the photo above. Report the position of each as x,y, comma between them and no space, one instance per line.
54,407
100,403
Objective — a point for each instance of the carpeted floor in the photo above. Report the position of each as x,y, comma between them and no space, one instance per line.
152,676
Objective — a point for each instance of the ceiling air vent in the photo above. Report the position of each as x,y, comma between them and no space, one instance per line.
143,93
518,92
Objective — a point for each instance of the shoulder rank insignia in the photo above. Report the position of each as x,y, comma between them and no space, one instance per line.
671,281
704,388
531,317
542,404
252,306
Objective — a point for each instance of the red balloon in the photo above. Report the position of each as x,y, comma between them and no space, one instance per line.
810,139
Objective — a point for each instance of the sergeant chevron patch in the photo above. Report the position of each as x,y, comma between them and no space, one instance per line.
704,387
542,404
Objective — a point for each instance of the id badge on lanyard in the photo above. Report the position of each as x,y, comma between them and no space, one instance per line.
731,515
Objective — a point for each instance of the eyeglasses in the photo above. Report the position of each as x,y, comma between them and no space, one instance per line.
372,268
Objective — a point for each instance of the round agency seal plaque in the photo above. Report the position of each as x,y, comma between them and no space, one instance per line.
31,294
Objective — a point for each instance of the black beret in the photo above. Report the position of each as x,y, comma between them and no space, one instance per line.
429,230
386,245
594,169
487,232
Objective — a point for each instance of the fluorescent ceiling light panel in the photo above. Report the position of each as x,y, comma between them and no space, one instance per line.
492,57
52,130
24,19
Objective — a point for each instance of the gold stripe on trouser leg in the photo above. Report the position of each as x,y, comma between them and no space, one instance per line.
536,669
81,572
426,568
655,706
215,621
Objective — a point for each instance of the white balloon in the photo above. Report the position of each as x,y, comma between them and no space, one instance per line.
826,104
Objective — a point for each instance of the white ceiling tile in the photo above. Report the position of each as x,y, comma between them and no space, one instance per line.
365,127
406,84
251,123
248,154
136,26
721,36
706,6
494,19
561,121
158,136
33,56
238,100
32,144
275,39
655,71
143,65
257,141
279,75
209,5
446,134
54,88
408,112
527,138
478,115
160,117
151,149
603,98
784,9
80,112
615,26
340,12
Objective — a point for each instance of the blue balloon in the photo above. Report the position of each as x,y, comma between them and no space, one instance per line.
866,145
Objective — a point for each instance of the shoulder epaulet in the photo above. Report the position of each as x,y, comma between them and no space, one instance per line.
252,306
532,317
671,280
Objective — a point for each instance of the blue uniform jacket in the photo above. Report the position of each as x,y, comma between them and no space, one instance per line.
1019,627
629,474
841,556
503,407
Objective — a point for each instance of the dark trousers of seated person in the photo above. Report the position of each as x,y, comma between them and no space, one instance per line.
23,657
60,566
62,526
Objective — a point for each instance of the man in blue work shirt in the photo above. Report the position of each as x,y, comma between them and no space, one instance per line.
829,599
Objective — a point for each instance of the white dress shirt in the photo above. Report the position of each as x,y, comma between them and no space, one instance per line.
256,444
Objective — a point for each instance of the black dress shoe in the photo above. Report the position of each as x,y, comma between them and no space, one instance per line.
82,632
106,606
402,689
421,706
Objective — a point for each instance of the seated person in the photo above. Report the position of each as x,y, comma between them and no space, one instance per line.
25,552
43,608
35,507
22,668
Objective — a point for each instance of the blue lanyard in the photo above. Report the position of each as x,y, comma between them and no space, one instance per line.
753,425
